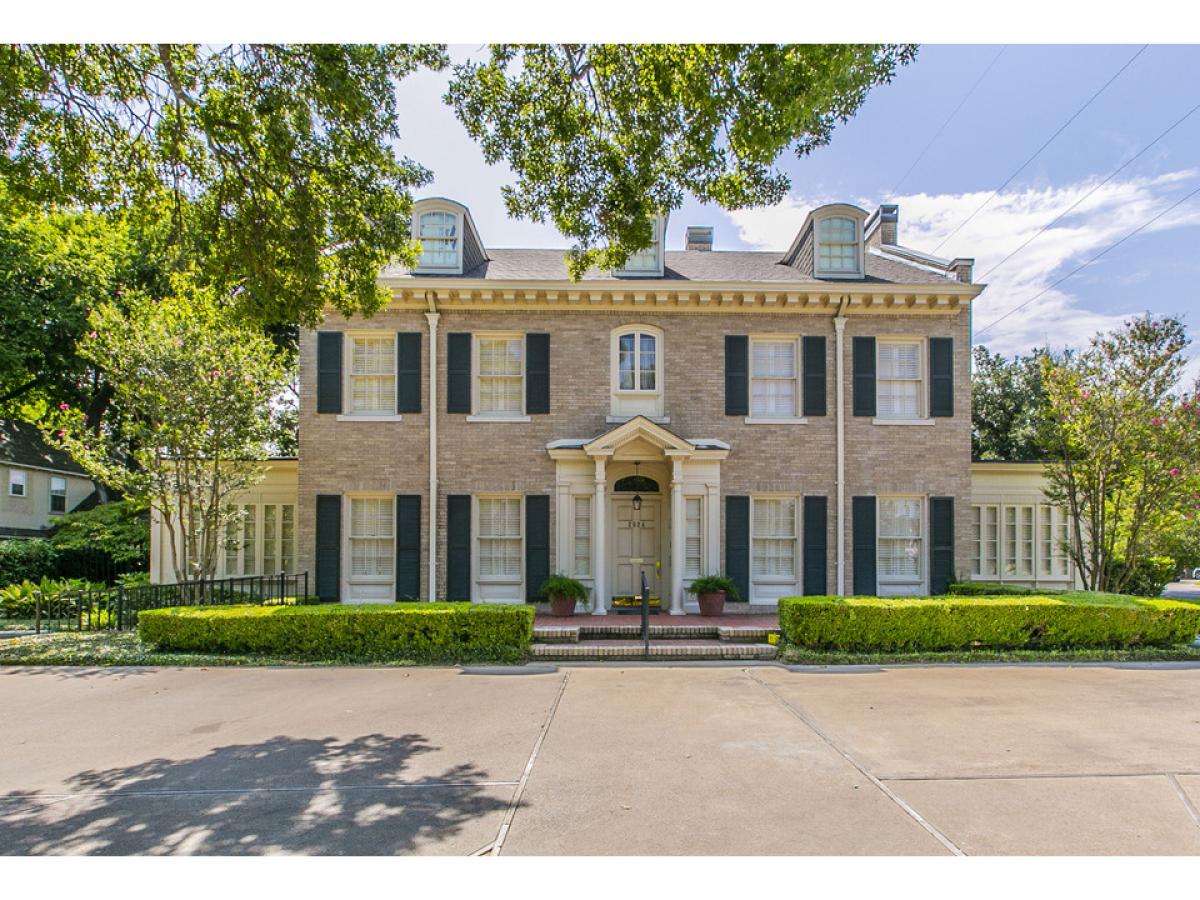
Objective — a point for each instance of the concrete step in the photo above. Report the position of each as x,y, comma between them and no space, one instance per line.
622,649
660,631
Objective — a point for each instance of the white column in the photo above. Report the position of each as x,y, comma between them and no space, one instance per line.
599,540
839,325
432,319
563,520
678,533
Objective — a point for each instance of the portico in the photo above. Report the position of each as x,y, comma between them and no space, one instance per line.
637,500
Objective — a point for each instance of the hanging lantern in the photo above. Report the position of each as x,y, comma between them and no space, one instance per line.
637,498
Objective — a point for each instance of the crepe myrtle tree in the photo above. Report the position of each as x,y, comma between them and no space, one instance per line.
193,385
1125,439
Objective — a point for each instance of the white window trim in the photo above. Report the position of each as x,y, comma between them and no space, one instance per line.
1020,537
658,224
703,536
858,229
15,477
475,538
924,539
348,378
348,577
50,500
591,519
923,417
798,381
460,236
476,415
797,561
614,379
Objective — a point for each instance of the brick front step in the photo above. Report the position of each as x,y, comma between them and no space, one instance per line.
662,631
630,650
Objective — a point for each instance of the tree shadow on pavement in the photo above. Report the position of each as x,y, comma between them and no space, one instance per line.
282,795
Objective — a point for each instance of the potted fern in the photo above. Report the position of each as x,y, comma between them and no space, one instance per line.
711,592
564,592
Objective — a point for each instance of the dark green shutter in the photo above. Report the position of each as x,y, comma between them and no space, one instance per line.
329,371
737,543
329,546
408,372
941,376
458,547
537,375
863,351
737,375
408,546
537,544
814,376
458,372
863,530
941,544
816,545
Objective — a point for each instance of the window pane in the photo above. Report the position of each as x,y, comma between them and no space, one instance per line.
626,362
899,360
774,538
693,537
249,560
270,538
371,549
288,536
899,551
647,364
232,531
583,536
439,243
372,375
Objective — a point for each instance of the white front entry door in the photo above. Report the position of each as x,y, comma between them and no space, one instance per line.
636,535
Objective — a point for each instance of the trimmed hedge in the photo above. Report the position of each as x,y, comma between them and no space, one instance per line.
994,589
420,632
983,623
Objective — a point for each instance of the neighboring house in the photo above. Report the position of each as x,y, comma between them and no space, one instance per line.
37,482
798,419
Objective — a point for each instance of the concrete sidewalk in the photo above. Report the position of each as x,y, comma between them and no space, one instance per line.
601,760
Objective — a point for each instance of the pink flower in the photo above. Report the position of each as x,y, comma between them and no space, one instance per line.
1176,472
64,407
215,373
1087,394
62,434
91,334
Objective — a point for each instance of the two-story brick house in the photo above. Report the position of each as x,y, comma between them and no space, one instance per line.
797,419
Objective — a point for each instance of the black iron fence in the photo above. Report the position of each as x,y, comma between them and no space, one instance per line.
116,608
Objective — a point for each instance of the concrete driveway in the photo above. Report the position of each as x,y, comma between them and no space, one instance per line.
602,760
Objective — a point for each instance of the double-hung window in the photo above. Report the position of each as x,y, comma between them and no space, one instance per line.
500,538
637,361
501,375
693,544
837,246
439,240
1053,559
773,374
773,539
1018,541
900,378
16,483
985,562
373,374
58,494
901,533
372,546
583,537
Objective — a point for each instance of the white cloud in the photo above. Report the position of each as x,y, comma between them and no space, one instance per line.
1060,316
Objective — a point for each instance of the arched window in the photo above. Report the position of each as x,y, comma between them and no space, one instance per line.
637,361
636,484
439,240
837,246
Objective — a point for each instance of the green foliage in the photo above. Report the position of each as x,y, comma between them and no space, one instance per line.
1149,575
273,164
32,559
118,529
991,589
560,585
874,624
427,632
1126,446
603,137
712,584
193,386
1010,413
19,601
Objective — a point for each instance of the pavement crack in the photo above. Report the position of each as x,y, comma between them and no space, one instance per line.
1187,801
883,788
511,812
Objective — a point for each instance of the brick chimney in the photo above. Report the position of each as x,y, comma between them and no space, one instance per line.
889,223
699,237
962,269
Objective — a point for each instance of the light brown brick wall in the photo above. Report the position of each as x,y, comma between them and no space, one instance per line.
477,457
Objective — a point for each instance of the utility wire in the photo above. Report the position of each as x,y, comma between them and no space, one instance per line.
1047,143
953,113
1079,268
1115,172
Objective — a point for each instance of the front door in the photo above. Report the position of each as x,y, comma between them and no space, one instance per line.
637,543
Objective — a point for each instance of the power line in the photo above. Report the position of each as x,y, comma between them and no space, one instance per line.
1142,227
953,113
1047,143
1117,171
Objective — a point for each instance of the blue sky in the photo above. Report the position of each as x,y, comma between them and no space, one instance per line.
1027,94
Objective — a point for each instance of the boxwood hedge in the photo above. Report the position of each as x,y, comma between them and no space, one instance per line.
995,623
420,632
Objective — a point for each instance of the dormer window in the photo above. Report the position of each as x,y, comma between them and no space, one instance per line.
439,240
838,247
647,261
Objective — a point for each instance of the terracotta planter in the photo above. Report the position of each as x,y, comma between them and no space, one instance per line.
562,607
711,604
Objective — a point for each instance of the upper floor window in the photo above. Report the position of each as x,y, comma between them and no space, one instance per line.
773,374
900,379
501,380
439,240
16,483
647,261
637,362
637,372
838,251
372,374
58,494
